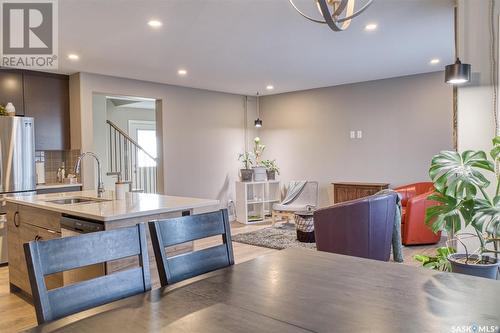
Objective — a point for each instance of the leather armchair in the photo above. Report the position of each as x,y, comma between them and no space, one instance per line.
414,202
360,228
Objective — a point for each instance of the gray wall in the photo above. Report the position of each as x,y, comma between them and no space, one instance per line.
476,116
477,124
202,132
405,121
100,142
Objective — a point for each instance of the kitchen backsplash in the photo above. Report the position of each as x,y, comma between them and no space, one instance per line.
53,161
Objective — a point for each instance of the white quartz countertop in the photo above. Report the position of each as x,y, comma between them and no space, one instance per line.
134,204
56,185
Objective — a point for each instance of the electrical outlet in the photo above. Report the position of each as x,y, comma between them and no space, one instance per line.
353,135
359,134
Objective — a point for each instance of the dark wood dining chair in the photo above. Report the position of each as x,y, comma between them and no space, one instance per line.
169,232
62,254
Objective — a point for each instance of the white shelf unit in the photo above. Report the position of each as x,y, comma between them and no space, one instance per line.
254,200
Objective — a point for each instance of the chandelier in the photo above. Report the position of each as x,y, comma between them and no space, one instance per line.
336,13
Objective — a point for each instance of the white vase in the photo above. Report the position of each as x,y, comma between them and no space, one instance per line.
11,110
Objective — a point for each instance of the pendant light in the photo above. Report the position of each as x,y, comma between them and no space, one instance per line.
337,14
457,73
258,121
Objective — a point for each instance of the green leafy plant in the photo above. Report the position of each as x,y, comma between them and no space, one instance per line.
271,165
3,111
461,182
258,149
439,261
247,159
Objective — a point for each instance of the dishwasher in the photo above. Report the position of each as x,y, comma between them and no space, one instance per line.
73,226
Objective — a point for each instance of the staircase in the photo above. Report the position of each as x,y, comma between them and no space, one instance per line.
127,158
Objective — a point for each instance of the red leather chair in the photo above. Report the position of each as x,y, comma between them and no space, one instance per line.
414,202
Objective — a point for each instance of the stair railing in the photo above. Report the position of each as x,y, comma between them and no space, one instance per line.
125,155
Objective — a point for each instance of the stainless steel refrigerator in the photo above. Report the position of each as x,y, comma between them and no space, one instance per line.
17,165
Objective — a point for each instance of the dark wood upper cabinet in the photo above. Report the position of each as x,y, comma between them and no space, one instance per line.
46,98
11,89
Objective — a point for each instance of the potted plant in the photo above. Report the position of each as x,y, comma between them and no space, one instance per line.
271,169
3,111
11,110
246,173
461,182
259,171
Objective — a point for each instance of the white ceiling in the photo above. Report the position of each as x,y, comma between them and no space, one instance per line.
240,46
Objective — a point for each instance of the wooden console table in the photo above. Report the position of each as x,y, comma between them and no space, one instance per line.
349,191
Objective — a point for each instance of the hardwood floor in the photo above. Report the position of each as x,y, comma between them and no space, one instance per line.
16,314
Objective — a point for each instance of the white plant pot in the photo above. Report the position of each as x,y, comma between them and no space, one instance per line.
259,174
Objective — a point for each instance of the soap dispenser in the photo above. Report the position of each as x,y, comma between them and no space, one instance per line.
61,173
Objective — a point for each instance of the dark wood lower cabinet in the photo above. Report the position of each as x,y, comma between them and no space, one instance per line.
344,191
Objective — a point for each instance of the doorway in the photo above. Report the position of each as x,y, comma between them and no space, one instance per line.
126,140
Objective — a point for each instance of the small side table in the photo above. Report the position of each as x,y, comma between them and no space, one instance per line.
304,224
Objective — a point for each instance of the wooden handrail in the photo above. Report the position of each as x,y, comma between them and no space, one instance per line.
126,136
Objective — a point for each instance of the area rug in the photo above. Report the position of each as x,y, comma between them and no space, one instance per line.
274,238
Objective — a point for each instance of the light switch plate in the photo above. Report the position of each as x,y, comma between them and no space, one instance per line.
353,135
359,134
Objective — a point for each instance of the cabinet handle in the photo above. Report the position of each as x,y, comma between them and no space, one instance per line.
16,222
38,237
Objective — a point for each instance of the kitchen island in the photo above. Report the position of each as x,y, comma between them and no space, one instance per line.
38,217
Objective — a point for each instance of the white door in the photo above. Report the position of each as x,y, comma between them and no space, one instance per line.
144,133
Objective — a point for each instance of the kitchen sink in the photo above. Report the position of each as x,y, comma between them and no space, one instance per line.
75,200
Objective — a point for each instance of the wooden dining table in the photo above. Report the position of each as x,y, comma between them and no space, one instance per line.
302,290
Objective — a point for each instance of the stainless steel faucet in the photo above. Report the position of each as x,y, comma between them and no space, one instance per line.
100,184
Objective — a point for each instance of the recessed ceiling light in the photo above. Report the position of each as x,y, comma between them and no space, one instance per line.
435,61
182,72
73,56
270,87
370,27
155,23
